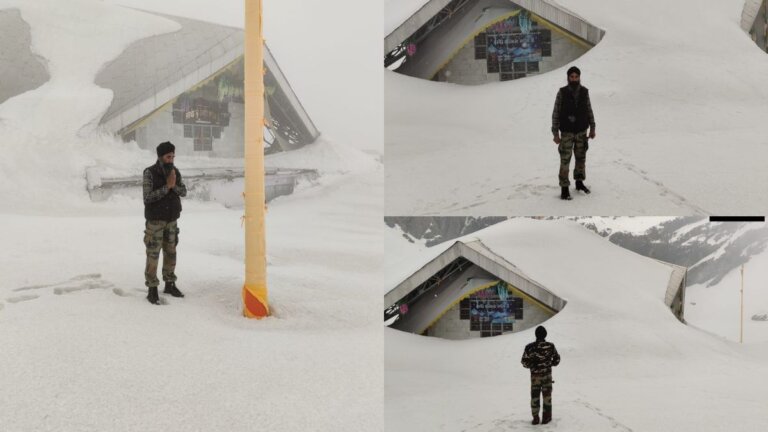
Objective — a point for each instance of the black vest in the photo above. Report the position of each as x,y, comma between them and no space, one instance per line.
167,208
574,117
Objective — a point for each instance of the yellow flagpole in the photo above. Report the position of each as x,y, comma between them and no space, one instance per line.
255,304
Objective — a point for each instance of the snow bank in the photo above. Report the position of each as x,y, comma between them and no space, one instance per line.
49,134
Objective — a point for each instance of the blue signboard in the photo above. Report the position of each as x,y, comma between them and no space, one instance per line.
492,310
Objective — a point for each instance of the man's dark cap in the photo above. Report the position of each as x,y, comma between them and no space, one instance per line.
164,148
541,333
573,69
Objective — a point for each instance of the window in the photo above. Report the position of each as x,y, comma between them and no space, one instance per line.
480,46
492,63
546,49
464,309
546,35
203,138
490,312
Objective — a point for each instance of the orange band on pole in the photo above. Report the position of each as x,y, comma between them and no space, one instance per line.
253,306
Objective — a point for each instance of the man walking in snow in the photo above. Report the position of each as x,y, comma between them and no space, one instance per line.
163,188
540,357
570,119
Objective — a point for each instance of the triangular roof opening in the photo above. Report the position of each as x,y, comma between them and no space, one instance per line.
469,291
480,41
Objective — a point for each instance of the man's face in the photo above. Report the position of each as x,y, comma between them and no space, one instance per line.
168,158
573,78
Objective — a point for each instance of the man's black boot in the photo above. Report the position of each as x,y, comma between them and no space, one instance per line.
580,186
170,288
535,419
152,296
565,194
547,418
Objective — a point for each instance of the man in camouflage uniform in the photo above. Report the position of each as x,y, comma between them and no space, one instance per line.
570,119
540,357
163,188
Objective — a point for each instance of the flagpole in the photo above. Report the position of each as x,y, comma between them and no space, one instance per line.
255,302
741,314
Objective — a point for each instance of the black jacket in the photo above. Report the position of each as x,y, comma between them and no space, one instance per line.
575,110
161,203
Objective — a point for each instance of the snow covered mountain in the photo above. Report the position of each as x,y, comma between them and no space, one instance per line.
709,250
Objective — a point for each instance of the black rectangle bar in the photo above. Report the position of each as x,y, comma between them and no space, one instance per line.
737,218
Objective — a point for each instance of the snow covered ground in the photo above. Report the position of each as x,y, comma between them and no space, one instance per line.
679,98
627,363
80,347
83,350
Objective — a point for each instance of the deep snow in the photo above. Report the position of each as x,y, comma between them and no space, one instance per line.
80,347
679,98
627,365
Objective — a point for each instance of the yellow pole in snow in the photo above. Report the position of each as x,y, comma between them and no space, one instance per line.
741,314
255,303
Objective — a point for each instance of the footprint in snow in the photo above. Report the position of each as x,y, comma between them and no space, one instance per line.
21,298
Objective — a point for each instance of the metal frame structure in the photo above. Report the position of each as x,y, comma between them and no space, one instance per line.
445,14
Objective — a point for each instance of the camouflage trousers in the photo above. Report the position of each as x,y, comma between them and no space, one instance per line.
160,235
541,384
575,144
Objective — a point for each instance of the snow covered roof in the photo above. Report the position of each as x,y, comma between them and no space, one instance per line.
749,14
401,20
447,39
153,71
479,254
553,262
